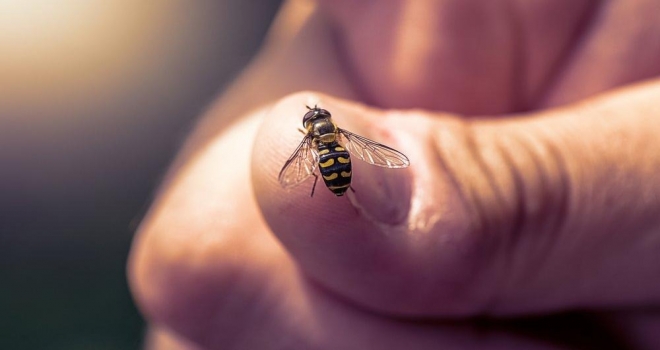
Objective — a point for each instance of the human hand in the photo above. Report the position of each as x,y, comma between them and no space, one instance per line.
502,215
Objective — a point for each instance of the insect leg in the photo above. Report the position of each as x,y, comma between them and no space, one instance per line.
302,131
352,189
316,178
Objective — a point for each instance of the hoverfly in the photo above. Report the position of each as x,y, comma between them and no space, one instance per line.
330,148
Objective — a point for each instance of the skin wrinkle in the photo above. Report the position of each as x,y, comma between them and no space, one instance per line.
525,220
536,189
519,222
534,220
540,218
483,223
564,200
433,232
464,195
503,233
494,223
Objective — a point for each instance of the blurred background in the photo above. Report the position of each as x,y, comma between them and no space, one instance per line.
95,98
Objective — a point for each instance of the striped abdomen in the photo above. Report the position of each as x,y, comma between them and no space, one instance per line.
335,167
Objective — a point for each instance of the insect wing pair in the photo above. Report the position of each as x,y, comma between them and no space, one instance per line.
305,159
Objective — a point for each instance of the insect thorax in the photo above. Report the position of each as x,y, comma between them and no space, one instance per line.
323,130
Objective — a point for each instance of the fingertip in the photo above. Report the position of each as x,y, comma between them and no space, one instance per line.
293,210
377,194
350,244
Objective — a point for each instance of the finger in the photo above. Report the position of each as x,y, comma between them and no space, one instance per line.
552,211
188,266
475,57
617,47
207,273
377,249
161,339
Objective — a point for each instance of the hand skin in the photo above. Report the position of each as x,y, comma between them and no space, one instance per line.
534,185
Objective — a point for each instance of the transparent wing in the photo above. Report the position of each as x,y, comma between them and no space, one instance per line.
300,165
373,152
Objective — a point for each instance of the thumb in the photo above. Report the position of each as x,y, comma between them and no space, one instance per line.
527,214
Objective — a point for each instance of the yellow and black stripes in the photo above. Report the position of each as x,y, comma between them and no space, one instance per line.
335,167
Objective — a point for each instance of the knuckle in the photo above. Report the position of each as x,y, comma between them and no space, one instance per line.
179,284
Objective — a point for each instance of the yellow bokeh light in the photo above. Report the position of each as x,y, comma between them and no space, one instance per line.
72,49
27,22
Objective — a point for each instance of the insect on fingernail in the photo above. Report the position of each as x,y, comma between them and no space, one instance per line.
329,148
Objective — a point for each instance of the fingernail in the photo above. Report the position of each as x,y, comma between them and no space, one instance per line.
381,194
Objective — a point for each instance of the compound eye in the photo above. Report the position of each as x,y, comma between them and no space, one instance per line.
324,112
308,116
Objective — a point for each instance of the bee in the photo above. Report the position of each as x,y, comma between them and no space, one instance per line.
330,148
